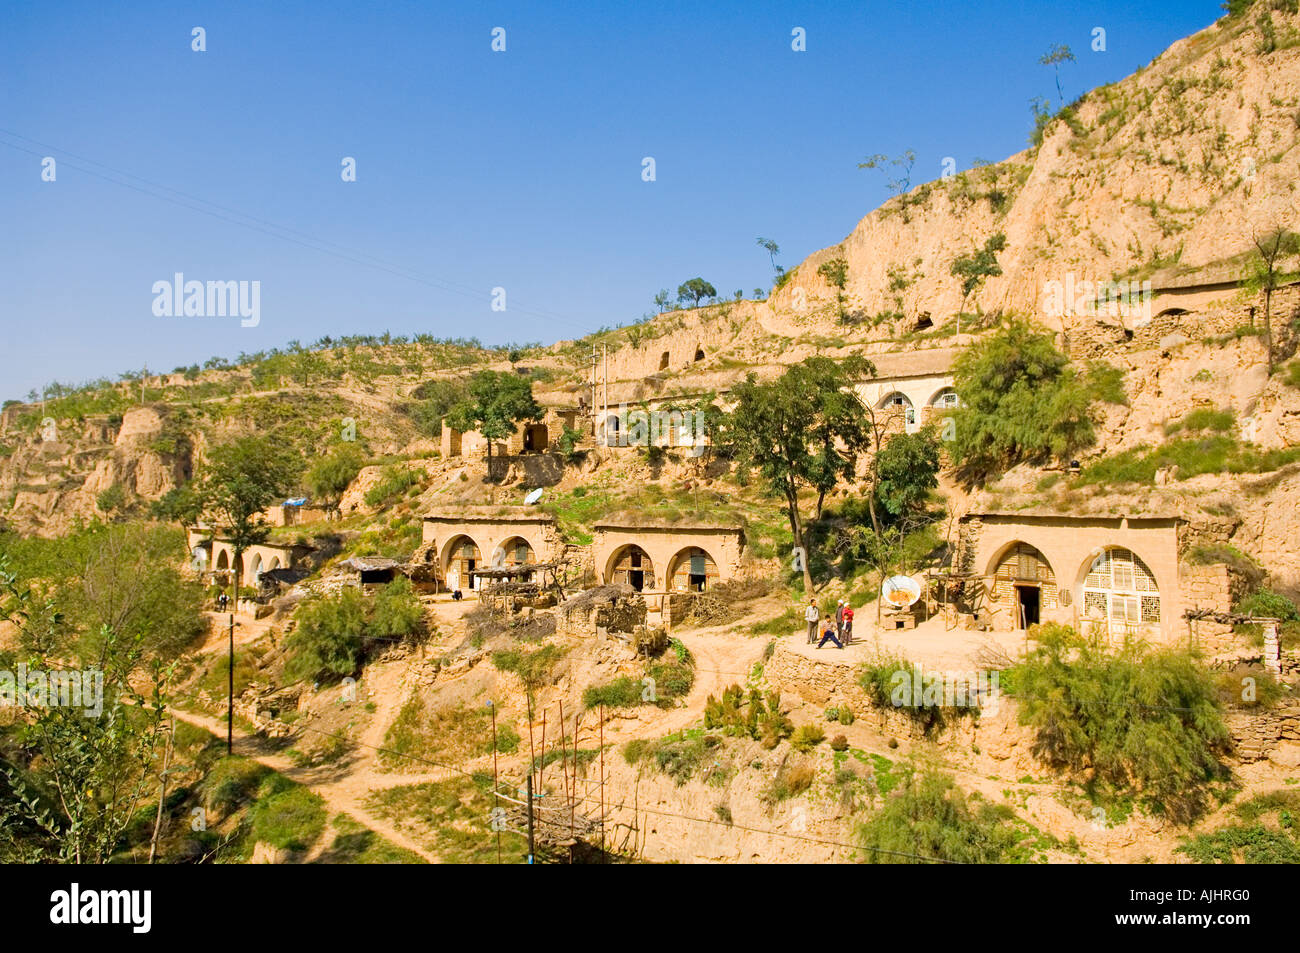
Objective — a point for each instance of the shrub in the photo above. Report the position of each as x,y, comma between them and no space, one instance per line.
807,737
622,692
393,482
839,743
792,779
929,818
535,668
1267,603
1131,721
327,641
398,612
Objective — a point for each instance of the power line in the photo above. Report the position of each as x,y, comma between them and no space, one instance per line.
256,224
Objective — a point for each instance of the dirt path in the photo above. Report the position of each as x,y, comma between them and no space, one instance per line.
342,786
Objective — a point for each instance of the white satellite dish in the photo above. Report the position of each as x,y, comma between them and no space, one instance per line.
533,497
899,592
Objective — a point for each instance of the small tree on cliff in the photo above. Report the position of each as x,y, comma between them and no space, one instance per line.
836,274
1264,274
696,290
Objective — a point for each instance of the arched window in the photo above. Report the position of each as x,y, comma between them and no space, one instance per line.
1120,592
693,571
898,403
946,399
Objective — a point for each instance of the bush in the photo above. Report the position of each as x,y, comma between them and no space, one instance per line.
622,692
807,737
1133,722
840,743
535,668
327,641
928,818
1268,604
330,476
398,612
791,780
393,482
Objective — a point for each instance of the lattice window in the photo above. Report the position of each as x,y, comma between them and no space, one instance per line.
1121,588
1150,608
1094,604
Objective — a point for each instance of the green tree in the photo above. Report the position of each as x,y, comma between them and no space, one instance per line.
836,274
498,402
1057,54
695,290
327,640
180,504
242,478
1022,402
802,430
111,499
903,183
330,476
975,268
906,470
1265,275
398,612
772,249
663,300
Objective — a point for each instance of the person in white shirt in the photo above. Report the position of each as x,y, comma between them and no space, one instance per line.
812,617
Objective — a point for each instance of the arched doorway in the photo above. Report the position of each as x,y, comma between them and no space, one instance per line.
699,354
463,557
631,566
693,570
255,569
1024,582
663,361
1120,595
223,561
899,405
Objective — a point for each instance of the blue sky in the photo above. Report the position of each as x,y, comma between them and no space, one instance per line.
477,169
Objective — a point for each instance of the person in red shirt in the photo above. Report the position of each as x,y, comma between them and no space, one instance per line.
846,625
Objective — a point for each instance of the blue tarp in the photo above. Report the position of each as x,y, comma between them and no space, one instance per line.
298,502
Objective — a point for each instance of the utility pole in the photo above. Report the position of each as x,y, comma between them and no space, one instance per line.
230,693
530,816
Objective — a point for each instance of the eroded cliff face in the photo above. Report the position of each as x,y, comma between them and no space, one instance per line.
1166,175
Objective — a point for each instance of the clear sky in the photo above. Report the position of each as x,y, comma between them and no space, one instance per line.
477,169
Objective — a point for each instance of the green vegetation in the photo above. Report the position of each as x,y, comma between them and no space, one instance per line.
329,638
929,818
1269,834
452,817
535,668
393,483
1022,402
748,714
1186,458
681,757
332,474
442,735
1133,721
497,402
975,268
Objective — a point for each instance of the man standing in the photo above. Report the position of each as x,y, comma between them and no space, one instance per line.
839,617
812,617
846,625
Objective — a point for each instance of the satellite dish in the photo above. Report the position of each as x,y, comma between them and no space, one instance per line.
533,497
900,592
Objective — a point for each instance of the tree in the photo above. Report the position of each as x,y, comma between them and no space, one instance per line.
180,504
1057,54
973,269
242,478
905,470
663,300
802,430
696,290
330,476
1263,274
836,274
497,403
1023,402
111,499
327,640
772,249
903,183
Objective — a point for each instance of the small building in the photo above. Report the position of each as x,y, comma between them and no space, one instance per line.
531,437
216,556
464,540
665,557
909,389
1117,576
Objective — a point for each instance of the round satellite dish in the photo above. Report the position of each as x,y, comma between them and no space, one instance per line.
534,496
900,591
